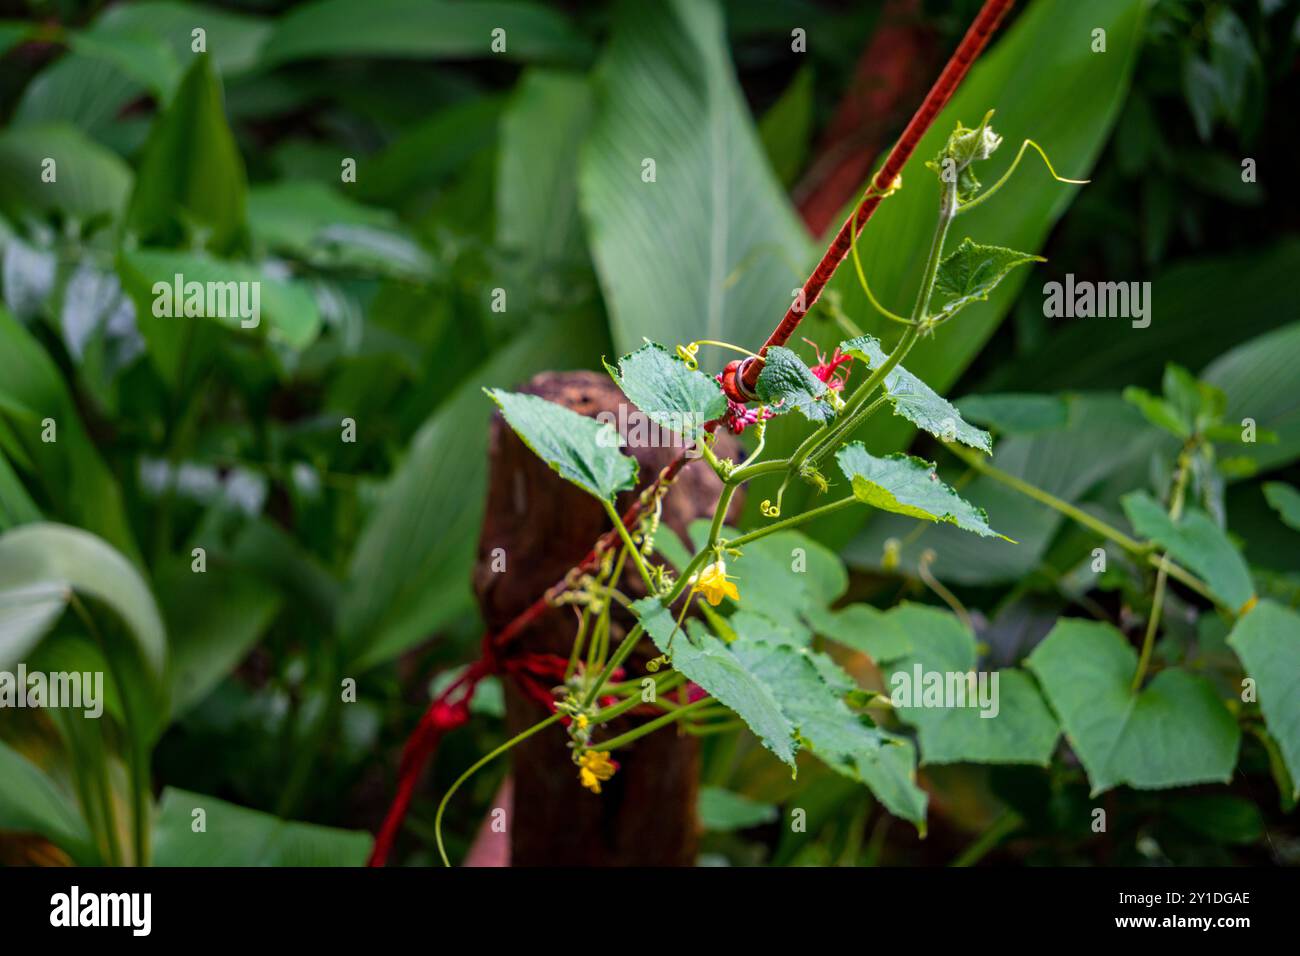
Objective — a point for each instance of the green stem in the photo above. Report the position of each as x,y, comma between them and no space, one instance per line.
632,549
1003,827
622,740
1162,575
478,765
620,655
793,521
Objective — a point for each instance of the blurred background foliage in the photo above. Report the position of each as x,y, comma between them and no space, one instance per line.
518,170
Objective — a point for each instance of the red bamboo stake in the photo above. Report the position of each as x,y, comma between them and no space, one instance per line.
972,44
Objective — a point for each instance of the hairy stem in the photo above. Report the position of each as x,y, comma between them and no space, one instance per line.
1162,575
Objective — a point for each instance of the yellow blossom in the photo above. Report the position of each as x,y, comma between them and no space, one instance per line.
582,721
713,583
594,767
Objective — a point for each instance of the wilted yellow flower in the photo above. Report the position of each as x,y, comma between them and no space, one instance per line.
594,767
713,583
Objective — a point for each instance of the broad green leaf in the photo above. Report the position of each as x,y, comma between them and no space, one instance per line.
1219,817
1175,732
234,40
1045,85
1196,542
1102,450
1268,642
1285,500
90,180
671,395
214,618
786,129
971,272
961,715
1012,414
786,383
1258,379
75,484
916,401
410,571
542,131
864,628
423,29
144,58
721,811
319,226
30,802
908,486
707,661
580,449
709,248
238,836
16,505
43,564
847,742
89,94
191,179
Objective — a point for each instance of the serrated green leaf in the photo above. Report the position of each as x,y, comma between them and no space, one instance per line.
1019,728
581,449
1285,500
863,628
671,395
1268,642
908,486
1197,542
1175,732
971,272
706,660
786,383
916,401
849,743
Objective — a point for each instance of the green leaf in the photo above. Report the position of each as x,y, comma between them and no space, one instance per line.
1285,500
30,802
237,836
1268,642
1069,109
1157,411
916,401
1013,414
709,248
1197,542
140,56
580,449
542,130
786,383
671,395
1018,727
410,571
721,811
214,618
1175,732
1257,378
786,129
90,180
971,272
706,660
317,225
41,565
845,741
422,29
75,483
864,628
1221,817
191,180
908,486
234,40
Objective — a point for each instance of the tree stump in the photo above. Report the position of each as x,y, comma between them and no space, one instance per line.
645,815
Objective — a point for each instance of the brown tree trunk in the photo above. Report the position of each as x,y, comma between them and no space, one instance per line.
645,815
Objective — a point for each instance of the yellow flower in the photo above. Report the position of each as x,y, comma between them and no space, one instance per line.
713,583
594,767
582,721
